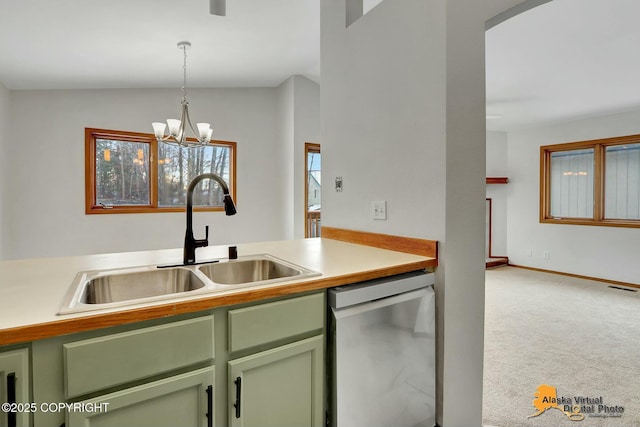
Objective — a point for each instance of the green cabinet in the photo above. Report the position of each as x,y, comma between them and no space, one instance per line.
276,368
14,388
280,387
180,400
137,370
161,372
114,360
140,355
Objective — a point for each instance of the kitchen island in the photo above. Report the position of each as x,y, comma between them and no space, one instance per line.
32,290
225,357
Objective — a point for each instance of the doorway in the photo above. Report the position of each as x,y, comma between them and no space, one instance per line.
312,190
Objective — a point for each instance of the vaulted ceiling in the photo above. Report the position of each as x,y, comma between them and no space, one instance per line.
68,44
563,60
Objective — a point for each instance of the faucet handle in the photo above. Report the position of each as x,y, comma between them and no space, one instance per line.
205,242
201,243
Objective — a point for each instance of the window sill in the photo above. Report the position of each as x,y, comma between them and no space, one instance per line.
586,221
100,210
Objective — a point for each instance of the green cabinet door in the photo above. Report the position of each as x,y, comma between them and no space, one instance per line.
281,387
182,400
14,387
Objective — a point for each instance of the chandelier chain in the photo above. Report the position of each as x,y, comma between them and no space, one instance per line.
184,71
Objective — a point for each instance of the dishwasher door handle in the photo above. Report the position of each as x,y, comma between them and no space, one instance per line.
340,313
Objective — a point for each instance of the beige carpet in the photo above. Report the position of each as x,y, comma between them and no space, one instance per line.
579,336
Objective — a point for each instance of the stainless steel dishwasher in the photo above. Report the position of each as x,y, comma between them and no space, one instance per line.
381,352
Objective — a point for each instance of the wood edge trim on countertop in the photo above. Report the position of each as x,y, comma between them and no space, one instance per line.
579,276
411,245
23,334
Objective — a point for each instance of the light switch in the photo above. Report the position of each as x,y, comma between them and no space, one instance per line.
379,209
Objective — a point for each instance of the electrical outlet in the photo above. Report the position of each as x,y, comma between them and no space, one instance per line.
546,255
530,253
379,209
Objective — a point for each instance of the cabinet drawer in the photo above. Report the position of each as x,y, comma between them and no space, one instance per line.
270,322
98,363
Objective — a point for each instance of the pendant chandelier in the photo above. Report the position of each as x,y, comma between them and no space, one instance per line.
177,128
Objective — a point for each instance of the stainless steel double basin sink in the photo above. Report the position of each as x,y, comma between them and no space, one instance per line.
94,290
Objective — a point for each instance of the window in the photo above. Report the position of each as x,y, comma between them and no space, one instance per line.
622,182
128,172
572,183
312,189
591,182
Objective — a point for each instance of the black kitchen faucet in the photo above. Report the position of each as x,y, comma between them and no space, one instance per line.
190,243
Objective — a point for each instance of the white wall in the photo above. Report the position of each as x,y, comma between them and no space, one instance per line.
603,252
4,165
383,108
299,122
403,113
373,90
497,167
46,198
306,129
285,159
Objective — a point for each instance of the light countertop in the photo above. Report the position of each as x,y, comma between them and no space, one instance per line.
32,290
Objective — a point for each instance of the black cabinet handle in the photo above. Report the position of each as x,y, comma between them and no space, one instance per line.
210,406
11,398
238,383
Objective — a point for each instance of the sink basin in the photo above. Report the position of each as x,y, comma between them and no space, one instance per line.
93,290
242,271
101,289
123,287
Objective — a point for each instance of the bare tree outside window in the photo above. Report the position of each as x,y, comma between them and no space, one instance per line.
177,166
122,173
